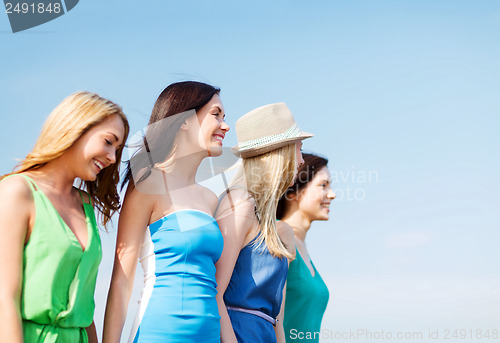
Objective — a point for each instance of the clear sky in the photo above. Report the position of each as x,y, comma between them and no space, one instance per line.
403,97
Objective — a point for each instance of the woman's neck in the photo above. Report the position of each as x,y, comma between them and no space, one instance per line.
181,171
56,176
299,222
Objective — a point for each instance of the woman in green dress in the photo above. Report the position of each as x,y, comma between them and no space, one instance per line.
307,200
50,248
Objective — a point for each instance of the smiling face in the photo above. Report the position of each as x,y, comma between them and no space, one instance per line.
97,148
314,200
212,127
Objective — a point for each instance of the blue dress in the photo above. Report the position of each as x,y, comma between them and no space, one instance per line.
256,284
178,258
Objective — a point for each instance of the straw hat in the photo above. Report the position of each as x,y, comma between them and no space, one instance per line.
265,129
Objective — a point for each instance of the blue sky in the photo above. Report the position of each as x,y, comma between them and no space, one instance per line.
406,91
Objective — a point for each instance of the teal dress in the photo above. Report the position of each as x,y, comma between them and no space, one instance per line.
305,304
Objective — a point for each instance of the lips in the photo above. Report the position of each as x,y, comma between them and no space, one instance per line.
99,165
219,138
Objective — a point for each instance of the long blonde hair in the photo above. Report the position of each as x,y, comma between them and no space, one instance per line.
72,118
266,178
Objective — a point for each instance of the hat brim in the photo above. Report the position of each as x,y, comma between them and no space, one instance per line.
270,146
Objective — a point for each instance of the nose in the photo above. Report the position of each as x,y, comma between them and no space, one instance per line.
331,194
111,156
301,160
224,127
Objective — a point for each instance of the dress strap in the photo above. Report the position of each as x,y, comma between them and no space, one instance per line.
257,214
31,183
81,195
226,192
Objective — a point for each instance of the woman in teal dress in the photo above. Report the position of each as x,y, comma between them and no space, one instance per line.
307,200
167,223
252,270
50,248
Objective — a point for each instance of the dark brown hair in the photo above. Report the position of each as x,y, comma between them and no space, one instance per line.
307,172
178,99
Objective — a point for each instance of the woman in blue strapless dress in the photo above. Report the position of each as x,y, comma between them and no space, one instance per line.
252,270
167,223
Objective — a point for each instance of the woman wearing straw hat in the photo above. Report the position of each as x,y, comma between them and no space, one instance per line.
50,248
252,270
307,200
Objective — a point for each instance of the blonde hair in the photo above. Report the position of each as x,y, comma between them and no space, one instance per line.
267,177
71,119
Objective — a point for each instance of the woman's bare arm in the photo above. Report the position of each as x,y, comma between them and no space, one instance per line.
15,215
134,218
288,238
235,217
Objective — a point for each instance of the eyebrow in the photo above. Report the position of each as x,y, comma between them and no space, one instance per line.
220,110
116,138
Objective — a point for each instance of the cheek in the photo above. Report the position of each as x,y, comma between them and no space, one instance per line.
206,130
310,201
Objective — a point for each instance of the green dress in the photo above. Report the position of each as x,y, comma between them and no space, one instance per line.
57,300
305,303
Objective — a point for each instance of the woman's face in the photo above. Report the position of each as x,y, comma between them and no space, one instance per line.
314,200
96,149
212,127
298,154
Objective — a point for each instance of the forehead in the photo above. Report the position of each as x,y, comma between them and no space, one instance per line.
322,174
113,125
215,102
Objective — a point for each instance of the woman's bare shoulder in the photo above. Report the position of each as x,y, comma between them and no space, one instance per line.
209,197
287,236
15,188
237,200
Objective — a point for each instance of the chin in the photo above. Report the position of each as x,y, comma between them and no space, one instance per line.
215,151
89,177
92,178
322,217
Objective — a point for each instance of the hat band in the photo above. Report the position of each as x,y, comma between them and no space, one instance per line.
293,131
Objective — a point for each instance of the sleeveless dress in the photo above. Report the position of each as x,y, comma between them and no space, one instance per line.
178,300
305,304
256,284
57,299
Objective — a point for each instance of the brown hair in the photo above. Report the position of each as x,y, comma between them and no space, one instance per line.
307,172
177,103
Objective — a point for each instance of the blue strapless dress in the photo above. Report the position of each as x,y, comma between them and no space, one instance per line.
257,284
178,258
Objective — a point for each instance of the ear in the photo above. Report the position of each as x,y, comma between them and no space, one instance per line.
184,126
293,196
299,194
